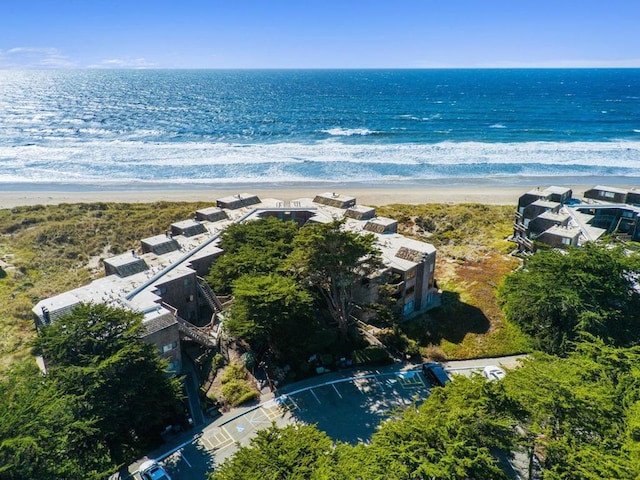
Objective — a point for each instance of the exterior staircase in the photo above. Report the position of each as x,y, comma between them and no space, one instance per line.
212,299
196,334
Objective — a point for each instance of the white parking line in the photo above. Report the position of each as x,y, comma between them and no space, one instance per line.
185,459
334,387
315,396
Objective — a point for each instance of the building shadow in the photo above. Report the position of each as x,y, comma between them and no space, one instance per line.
452,321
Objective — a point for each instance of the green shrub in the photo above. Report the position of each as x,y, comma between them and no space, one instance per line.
371,355
218,361
237,392
234,371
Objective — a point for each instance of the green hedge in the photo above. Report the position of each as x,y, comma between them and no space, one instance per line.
371,355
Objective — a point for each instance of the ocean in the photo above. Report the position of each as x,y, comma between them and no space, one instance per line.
202,128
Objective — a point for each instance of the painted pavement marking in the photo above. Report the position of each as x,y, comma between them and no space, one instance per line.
286,403
259,417
410,379
219,440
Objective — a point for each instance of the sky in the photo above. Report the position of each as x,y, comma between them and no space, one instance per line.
318,33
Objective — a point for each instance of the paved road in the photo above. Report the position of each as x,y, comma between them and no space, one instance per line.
348,405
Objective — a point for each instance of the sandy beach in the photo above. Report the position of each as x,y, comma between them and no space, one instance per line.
502,195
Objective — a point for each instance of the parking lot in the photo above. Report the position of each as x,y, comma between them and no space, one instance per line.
348,409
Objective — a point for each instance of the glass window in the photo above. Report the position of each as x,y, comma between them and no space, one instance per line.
169,346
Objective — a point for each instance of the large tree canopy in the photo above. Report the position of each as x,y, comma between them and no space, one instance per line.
557,296
121,395
332,259
580,412
43,432
271,309
452,435
255,247
292,452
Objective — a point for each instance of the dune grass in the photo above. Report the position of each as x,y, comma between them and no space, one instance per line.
49,249
472,260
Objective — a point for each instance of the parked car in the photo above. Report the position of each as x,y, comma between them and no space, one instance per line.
492,372
435,374
152,470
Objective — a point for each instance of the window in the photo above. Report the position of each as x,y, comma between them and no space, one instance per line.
410,274
187,282
162,290
410,290
431,267
566,241
169,346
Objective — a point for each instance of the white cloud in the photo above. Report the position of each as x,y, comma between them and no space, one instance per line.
34,57
124,63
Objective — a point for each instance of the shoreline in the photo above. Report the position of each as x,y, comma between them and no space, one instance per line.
365,195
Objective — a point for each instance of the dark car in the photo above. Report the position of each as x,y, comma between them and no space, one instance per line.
435,374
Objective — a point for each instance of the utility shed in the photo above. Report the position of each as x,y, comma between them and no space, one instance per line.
211,214
125,265
360,212
333,199
233,202
381,225
160,244
188,228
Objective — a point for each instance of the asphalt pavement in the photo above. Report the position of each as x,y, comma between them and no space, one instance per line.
347,404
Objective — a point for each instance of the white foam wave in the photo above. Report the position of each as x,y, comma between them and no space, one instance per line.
127,160
348,132
497,125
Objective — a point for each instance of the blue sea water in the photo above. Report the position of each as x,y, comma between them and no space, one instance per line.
177,128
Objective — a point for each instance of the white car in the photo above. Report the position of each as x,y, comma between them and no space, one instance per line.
152,470
492,372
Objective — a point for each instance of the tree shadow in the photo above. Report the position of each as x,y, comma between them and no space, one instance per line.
452,321
350,413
